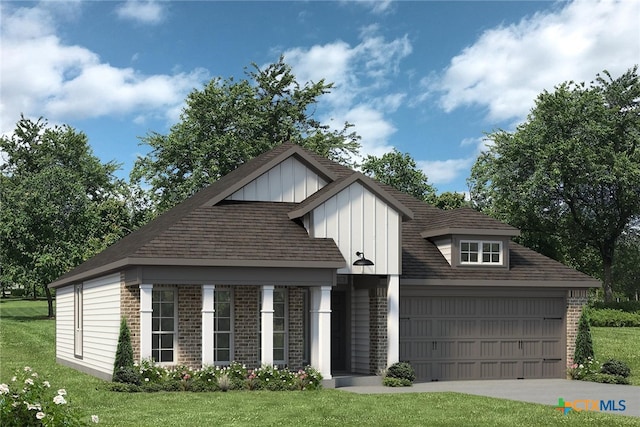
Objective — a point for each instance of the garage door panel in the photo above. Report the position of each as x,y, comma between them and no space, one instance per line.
483,337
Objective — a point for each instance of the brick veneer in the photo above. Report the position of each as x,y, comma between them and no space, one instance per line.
246,324
130,310
190,326
576,300
377,329
296,328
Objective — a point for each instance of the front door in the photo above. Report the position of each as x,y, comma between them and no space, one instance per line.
339,336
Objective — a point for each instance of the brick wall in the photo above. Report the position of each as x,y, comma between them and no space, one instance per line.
576,300
130,309
246,325
296,328
377,329
189,351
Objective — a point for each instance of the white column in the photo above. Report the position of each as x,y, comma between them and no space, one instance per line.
266,330
393,319
321,330
146,310
208,304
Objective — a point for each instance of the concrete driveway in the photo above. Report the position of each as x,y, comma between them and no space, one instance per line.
546,392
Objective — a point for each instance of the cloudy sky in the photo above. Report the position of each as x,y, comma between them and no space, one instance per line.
429,78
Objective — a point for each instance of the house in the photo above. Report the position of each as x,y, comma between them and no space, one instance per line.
293,259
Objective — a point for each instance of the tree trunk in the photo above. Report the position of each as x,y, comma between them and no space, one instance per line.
49,301
607,272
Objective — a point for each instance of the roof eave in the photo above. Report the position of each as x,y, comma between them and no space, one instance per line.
444,231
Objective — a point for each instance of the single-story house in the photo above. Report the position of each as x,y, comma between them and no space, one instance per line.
293,259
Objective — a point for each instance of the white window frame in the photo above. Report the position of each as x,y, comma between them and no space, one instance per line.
285,331
480,253
217,300
156,330
78,321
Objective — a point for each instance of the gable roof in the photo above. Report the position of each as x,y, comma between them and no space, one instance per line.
206,229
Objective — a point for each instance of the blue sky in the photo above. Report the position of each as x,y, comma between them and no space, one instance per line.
429,78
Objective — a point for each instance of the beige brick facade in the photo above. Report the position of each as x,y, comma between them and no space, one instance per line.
576,300
130,309
189,351
296,298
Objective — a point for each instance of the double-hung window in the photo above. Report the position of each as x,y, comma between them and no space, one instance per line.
164,329
480,252
279,326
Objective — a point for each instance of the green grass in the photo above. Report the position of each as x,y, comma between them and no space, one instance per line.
619,343
27,339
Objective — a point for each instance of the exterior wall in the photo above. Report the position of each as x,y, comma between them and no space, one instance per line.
246,325
444,246
130,309
289,181
189,351
358,221
576,300
296,328
64,324
378,329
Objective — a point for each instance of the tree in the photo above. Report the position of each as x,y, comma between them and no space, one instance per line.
569,177
399,171
227,123
626,266
584,344
60,204
450,200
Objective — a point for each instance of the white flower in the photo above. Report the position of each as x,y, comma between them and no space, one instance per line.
28,381
95,419
4,389
13,379
59,400
31,407
27,369
40,415
581,366
146,379
62,392
46,384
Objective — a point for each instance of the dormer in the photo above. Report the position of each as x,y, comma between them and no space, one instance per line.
469,239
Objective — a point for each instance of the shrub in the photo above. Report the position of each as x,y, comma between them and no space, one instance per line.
584,344
626,306
582,371
396,382
599,377
608,317
127,375
616,367
124,355
28,400
401,370
150,371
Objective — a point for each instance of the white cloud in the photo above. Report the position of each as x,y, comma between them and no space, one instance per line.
43,76
445,171
144,12
508,66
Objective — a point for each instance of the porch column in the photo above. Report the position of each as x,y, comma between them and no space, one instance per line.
208,304
146,310
393,319
321,330
266,330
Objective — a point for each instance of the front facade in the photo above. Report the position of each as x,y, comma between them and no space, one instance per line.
267,266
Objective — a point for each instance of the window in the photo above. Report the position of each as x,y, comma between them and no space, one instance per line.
77,320
479,252
163,320
279,326
223,328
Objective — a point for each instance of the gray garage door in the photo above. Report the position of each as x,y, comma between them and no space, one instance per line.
475,337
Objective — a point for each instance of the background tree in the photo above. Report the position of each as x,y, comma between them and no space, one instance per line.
569,177
227,123
60,204
401,172
450,200
626,265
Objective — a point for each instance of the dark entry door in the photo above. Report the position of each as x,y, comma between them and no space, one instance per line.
339,338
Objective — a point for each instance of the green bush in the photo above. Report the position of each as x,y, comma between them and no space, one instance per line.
608,317
126,375
401,370
396,382
626,306
584,344
616,367
123,364
598,377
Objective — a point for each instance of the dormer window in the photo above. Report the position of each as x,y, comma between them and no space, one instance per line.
480,252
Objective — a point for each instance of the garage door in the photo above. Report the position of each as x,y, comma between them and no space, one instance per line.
476,337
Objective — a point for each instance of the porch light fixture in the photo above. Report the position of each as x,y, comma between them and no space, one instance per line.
362,260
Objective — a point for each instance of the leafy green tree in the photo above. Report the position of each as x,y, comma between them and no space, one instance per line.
227,123
60,204
569,177
400,171
626,266
123,365
450,200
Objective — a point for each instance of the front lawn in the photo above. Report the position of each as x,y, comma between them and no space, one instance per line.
27,339
619,343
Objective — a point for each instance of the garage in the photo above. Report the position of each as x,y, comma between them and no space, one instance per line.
469,334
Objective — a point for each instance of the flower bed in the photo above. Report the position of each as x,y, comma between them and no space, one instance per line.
28,400
151,377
